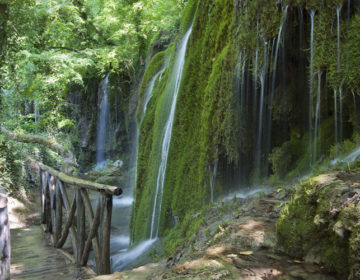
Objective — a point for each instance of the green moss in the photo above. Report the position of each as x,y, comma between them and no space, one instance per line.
309,228
154,66
184,233
208,121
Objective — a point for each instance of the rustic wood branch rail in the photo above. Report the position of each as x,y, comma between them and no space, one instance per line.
87,231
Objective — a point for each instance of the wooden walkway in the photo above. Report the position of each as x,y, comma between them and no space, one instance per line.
33,258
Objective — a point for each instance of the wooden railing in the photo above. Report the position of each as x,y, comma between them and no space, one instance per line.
86,229
4,239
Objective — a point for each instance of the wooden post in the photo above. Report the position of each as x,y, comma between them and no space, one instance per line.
47,204
90,215
90,240
4,239
105,230
58,215
42,188
80,225
52,201
69,223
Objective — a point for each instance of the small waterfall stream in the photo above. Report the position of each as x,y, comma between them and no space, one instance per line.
256,74
317,117
338,13
125,257
258,152
103,118
335,117
273,82
311,78
150,87
213,172
178,69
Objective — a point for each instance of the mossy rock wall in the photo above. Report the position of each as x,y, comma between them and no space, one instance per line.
321,223
217,111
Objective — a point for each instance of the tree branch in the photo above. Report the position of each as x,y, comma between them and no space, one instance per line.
38,139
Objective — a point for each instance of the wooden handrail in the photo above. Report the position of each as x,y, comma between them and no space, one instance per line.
87,231
81,183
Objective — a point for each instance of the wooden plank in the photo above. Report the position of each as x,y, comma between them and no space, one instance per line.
106,204
66,202
90,215
80,225
58,216
93,231
80,183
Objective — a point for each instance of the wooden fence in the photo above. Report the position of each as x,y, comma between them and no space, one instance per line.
4,239
88,230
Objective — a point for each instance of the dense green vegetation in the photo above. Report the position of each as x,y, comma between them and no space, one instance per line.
51,49
56,53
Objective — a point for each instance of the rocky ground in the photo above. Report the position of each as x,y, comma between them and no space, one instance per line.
237,240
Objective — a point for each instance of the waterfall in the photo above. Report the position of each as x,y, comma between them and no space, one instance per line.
178,70
317,117
335,117
213,172
341,113
301,28
311,76
255,83
150,87
261,109
355,109
242,90
338,10
103,117
354,100
272,92
147,95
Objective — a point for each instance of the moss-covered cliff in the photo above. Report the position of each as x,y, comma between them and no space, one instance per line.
242,82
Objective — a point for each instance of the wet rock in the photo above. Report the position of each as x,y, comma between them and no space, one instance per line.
118,164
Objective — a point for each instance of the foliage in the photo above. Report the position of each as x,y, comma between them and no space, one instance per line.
11,165
53,47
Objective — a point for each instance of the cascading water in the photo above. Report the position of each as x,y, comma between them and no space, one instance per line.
242,94
255,84
354,101
123,257
335,117
340,113
213,171
103,116
258,151
317,117
338,11
272,92
311,77
177,73
150,87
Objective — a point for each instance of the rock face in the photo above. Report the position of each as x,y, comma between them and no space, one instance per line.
321,223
